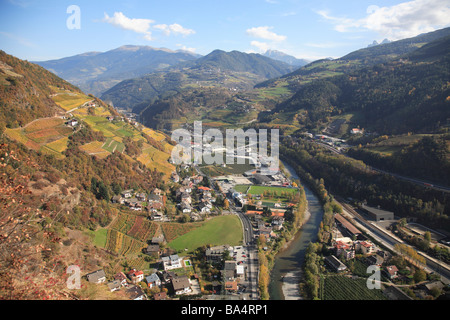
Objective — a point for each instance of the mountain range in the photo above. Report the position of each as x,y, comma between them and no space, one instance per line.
95,72
281,56
406,91
234,70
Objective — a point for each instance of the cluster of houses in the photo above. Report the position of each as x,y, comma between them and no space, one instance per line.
345,248
129,282
265,229
354,242
154,202
184,194
233,271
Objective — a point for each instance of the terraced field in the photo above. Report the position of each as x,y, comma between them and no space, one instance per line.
48,135
51,135
69,100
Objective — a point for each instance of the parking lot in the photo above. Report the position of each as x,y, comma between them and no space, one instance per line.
240,254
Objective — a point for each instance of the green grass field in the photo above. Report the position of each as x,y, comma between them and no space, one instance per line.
217,231
278,190
99,237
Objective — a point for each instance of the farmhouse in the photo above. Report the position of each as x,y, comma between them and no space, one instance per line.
136,276
156,216
136,293
391,272
181,285
121,277
153,280
127,193
114,285
141,196
98,276
118,199
152,250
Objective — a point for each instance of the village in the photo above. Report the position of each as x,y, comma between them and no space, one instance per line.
174,277
263,199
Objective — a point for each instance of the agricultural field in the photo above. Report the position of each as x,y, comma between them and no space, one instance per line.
99,237
216,231
393,144
69,100
51,135
172,231
111,145
48,135
122,244
338,287
134,226
94,148
153,158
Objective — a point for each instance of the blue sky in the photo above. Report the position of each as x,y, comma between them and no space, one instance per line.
37,30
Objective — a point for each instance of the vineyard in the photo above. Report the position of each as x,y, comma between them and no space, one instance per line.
129,234
122,244
137,227
174,230
344,288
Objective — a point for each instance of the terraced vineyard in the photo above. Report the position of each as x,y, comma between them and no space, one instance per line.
48,135
137,227
122,244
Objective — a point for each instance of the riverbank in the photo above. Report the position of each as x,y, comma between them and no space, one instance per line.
286,271
291,280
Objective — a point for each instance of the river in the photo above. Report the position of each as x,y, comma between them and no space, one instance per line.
286,273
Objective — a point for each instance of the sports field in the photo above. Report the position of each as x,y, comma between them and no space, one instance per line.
273,190
217,231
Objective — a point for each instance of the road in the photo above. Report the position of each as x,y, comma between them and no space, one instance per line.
251,259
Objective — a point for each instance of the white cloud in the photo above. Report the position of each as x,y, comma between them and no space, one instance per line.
144,26
264,33
137,25
184,48
262,46
400,21
174,28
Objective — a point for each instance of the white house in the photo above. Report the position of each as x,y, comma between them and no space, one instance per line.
171,262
